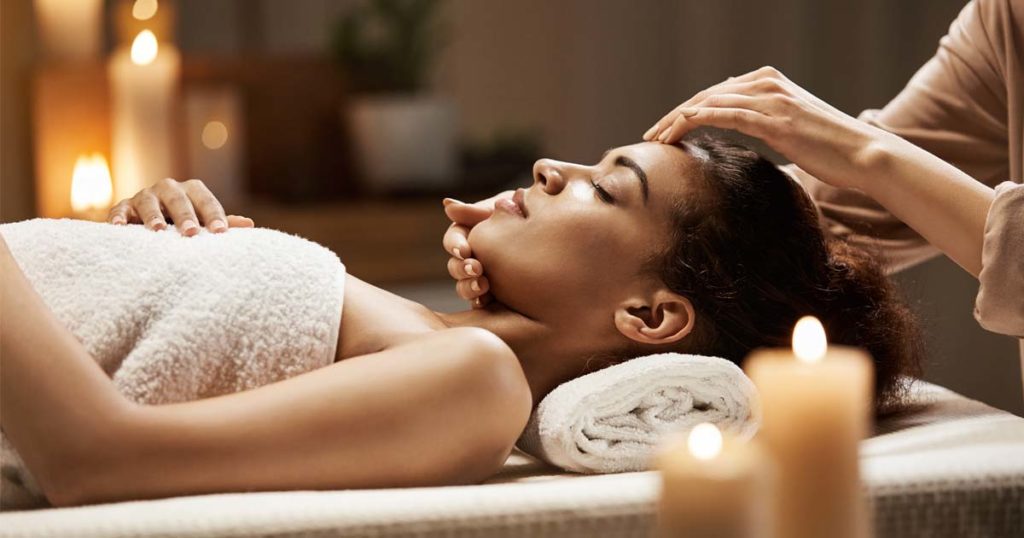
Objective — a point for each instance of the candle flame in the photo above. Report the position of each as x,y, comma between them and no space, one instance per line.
144,10
809,342
144,48
91,186
705,441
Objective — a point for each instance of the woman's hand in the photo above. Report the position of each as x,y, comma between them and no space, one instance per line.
830,145
468,272
182,200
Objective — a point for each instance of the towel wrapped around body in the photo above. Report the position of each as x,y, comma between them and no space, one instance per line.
172,318
612,420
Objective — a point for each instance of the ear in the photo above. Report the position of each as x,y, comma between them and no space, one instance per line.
662,317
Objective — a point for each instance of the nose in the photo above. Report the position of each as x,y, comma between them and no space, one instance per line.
550,175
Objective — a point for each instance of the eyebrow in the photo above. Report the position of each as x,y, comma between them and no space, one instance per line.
622,160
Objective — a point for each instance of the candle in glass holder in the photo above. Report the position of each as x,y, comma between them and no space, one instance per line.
816,402
713,485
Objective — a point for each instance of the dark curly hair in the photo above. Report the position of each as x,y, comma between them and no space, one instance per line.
747,249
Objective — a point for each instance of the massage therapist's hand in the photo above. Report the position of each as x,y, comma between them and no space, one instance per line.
468,272
830,145
189,204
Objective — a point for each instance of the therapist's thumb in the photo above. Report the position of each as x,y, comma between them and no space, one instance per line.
466,214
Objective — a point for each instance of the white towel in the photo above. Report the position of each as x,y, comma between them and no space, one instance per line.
612,420
172,318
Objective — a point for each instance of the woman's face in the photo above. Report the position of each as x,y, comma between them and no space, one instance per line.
578,251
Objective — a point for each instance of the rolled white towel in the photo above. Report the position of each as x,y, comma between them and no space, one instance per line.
611,420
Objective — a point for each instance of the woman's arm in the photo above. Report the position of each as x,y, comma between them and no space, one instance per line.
57,406
441,410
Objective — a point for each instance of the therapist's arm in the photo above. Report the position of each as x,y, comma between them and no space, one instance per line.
945,205
57,407
956,108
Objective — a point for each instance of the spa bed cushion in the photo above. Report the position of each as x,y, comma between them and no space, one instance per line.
955,467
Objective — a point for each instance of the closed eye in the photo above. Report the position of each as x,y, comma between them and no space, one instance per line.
603,194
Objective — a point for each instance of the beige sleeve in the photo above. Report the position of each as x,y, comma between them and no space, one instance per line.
1000,304
955,107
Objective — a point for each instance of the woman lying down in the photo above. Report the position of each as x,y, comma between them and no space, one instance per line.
700,247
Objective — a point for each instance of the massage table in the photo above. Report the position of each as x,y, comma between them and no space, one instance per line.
953,467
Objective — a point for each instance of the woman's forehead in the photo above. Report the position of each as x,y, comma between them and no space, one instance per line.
667,165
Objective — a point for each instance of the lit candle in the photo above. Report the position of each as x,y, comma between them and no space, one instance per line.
70,28
816,403
713,485
143,85
91,188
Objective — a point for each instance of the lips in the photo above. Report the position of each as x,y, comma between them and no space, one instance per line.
513,206
518,198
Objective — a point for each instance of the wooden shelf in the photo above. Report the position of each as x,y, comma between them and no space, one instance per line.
379,241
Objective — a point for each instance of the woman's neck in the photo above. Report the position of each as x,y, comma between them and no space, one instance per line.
547,357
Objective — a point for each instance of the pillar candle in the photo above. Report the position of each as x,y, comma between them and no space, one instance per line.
816,402
713,485
143,84
70,29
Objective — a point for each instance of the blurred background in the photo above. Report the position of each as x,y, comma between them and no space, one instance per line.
345,121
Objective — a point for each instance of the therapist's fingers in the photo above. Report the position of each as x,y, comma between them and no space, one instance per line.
149,210
748,122
737,86
767,105
761,80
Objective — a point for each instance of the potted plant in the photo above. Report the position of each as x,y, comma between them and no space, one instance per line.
404,137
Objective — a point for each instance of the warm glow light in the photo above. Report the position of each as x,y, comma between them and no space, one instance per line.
705,441
91,186
144,9
215,135
809,343
144,48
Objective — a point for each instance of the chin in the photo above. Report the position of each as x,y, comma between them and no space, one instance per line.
503,258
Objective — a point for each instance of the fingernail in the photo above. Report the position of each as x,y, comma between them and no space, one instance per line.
457,253
647,135
158,224
477,303
474,285
470,270
118,220
449,201
687,112
217,225
188,225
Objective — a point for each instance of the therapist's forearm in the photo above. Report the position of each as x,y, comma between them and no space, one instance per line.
57,407
943,204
